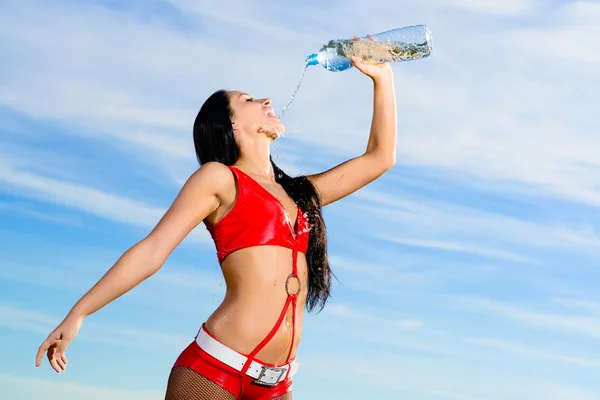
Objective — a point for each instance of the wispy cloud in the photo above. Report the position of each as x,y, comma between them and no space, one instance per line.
174,289
582,305
437,218
17,387
81,197
362,317
588,325
565,392
429,340
450,395
496,7
503,345
469,248
86,199
441,378
30,211
21,319
573,29
480,144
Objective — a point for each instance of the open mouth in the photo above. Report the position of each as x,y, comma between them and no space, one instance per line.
270,113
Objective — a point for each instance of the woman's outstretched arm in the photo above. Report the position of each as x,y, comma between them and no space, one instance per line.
198,198
380,155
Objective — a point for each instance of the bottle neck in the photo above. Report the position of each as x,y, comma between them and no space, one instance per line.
312,60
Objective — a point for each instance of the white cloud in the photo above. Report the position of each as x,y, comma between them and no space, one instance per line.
21,319
344,311
582,12
433,221
503,345
356,314
409,324
30,211
82,198
469,248
26,388
242,15
412,336
458,113
408,375
173,289
86,199
445,394
581,305
496,7
571,37
551,389
588,325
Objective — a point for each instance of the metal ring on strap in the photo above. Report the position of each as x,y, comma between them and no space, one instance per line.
287,285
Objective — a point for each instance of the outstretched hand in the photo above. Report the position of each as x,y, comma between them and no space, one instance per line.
56,343
374,71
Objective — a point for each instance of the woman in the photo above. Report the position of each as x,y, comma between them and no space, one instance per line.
270,240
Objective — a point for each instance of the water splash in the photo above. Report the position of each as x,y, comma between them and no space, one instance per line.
294,94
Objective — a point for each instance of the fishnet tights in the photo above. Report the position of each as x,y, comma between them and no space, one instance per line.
287,396
186,384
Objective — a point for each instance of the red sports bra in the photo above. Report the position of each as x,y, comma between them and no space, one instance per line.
257,218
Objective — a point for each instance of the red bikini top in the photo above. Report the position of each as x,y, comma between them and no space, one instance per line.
257,218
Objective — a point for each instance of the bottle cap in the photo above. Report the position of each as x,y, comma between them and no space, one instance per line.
312,60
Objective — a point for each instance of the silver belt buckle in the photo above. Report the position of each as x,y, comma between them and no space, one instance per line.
275,375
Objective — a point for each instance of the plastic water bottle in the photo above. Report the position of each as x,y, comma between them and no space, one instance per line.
402,44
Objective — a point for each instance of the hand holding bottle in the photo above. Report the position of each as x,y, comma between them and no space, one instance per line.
373,70
57,343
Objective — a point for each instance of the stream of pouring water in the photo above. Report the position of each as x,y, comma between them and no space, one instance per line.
294,94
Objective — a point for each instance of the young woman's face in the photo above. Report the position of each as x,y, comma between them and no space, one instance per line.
252,115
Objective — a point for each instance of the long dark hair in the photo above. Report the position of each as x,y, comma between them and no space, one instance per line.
214,141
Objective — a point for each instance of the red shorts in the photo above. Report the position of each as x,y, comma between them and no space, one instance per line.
243,387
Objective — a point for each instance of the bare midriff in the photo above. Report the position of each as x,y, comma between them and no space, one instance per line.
255,297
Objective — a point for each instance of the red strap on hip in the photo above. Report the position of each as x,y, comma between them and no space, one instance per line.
291,299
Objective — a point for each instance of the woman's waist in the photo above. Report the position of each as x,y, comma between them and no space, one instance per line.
263,287
243,328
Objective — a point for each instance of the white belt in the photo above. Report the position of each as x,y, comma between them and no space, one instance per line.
264,374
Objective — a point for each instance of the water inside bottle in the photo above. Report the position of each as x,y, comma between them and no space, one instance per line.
372,51
294,93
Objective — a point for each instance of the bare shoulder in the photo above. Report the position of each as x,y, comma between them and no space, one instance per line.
213,177
201,195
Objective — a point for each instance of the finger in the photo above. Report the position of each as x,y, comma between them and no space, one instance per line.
54,364
61,363
64,358
40,354
356,62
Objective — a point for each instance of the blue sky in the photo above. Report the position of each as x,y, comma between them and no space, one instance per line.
468,272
